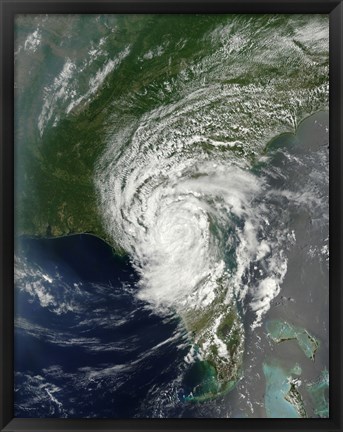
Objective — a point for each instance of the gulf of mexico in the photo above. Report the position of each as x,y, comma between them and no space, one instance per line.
84,345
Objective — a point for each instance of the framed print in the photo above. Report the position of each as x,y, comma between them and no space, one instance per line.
171,215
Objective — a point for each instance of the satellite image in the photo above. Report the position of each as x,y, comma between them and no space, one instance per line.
171,216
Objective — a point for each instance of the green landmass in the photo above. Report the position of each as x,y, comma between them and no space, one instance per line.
55,191
269,91
218,337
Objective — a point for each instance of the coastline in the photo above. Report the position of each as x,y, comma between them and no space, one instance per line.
117,250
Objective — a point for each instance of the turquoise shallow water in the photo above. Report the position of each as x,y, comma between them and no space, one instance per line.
319,393
280,331
152,132
277,387
305,282
267,370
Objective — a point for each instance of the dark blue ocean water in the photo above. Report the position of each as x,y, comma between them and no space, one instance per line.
84,345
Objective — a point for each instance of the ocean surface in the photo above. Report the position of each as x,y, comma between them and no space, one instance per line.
94,349
88,344
181,141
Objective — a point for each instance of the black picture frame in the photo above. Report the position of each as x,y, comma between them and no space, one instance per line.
8,10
